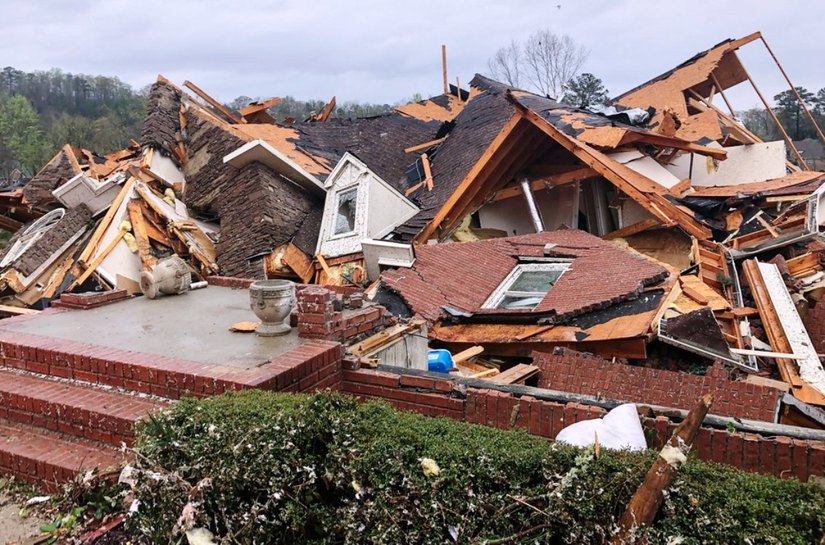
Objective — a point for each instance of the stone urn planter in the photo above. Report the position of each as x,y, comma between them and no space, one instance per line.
272,301
170,276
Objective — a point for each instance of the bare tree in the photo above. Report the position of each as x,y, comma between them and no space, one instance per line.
551,61
545,62
505,66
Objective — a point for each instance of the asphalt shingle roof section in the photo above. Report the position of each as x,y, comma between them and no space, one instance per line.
463,275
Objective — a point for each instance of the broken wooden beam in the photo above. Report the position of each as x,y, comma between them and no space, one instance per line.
424,145
214,103
467,354
135,210
648,499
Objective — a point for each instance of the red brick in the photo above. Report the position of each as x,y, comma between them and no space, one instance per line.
412,381
800,459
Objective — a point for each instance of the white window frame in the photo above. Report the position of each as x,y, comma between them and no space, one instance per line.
503,289
354,230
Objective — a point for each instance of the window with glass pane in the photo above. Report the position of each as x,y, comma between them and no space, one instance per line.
345,211
526,285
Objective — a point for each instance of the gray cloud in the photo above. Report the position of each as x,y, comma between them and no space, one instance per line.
384,51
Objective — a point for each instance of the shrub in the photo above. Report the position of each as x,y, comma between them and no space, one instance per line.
254,467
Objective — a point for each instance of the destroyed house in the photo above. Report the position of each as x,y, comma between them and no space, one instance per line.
534,292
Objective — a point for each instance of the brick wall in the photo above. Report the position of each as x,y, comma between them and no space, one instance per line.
321,315
815,324
570,371
780,456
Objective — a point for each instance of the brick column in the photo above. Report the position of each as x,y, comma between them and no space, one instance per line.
317,317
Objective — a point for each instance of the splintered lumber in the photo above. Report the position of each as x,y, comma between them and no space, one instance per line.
444,69
645,503
695,295
424,145
107,219
18,311
534,332
633,229
326,112
486,373
428,173
517,374
212,102
299,262
467,354
324,265
147,260
777,337
91,267
382,338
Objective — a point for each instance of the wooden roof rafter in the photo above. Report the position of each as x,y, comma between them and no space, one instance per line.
647,193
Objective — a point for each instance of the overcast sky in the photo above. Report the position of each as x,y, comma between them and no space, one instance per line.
383,51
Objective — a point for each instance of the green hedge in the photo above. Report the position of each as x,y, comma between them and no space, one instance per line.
263,468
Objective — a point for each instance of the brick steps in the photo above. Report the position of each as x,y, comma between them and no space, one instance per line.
61,387
47,458
70,408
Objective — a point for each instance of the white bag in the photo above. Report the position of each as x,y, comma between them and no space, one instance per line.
619,429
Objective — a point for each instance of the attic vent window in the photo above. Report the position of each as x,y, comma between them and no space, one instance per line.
345,211
526,286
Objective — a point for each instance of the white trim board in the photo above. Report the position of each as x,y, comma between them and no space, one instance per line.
260,151
810,368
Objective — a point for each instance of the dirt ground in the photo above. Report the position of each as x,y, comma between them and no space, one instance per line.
12,526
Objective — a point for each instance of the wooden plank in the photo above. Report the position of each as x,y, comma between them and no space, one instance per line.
787,198
444,69
743,312
18,311
326,112
384,337
486,373
648,499
465,183
516,375
214,103
695,295
636,186
672,142
633,229
147,260
323,262
424,145
299,262
776,335
542,182
58,276
767,225
90,268
467,354
107,219
679,189
428,173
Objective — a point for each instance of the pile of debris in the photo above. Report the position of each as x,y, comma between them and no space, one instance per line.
658,232
119,216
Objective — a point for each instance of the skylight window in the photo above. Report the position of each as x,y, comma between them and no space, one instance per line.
345,211
526,286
